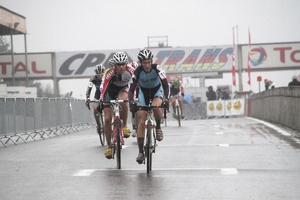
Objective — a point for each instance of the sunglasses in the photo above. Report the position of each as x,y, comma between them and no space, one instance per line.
120,64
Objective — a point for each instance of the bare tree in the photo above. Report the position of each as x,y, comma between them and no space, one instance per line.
4,45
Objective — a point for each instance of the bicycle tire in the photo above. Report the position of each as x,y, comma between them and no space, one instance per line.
118,146
178,114
101,131
148,152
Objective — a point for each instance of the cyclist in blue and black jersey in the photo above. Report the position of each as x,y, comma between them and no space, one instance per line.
153,85
95,80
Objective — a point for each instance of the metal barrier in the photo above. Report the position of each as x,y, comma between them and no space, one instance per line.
29,118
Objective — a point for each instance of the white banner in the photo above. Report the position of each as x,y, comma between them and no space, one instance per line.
225,107
272,55
39,65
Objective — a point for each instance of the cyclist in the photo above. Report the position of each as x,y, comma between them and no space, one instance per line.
115,85
95,80
154,86
133,120
176,88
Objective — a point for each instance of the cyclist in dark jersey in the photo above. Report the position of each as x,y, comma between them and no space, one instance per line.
176,89
154,86
95,80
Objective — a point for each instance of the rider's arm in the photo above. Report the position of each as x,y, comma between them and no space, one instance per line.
166,88
105,83
89,88
182,90
132,87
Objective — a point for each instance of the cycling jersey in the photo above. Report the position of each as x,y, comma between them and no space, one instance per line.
113,82
176,89
152,84
94,80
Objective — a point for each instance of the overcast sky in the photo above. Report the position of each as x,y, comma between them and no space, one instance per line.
76,25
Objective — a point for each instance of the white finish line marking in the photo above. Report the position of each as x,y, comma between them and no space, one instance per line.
279,130
219,133
223,171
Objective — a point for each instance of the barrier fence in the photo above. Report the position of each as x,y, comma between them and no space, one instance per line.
41,118
32,118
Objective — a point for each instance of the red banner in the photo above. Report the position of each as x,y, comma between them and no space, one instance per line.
233,61
249,53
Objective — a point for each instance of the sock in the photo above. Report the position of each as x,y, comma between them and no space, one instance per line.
157,124
141,145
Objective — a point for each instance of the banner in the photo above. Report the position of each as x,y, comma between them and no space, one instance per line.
248,63
233,60
225,107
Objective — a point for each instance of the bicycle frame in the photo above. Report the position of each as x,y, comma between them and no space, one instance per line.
117,137
150,137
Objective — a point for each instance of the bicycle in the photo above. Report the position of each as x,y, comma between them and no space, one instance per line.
117,138
100,125
177,111
150,137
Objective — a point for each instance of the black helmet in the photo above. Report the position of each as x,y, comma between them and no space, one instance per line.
145,54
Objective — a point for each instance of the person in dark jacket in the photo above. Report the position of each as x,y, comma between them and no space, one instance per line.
294,82
211,94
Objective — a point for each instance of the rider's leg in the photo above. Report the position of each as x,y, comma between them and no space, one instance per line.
96,113
107,125
157,101
124,113
180,106
108,131
141,114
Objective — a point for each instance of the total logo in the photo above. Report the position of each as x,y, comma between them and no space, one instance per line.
257,56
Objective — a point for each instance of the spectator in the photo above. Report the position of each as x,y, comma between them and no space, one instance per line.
294,82
224,94
269,84
218,93
211,94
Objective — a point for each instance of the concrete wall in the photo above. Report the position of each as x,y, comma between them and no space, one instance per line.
279,105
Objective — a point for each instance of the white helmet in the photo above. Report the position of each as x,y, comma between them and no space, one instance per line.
145,54
99,69
120,57
110,62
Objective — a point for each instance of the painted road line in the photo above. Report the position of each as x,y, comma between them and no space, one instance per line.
222,171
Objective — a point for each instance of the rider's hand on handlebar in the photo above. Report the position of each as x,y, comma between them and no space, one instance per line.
132,106
87,102
166,103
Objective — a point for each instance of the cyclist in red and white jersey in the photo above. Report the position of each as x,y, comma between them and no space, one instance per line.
115,85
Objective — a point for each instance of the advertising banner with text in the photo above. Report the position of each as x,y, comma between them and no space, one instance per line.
268,56
39,65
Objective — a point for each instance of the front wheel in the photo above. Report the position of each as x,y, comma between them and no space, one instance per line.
148,152
119,145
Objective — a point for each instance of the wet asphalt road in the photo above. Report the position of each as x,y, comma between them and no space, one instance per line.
235,158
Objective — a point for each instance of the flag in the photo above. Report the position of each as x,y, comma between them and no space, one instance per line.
249,53
233,61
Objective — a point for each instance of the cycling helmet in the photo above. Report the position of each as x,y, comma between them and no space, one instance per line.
266,80
176,80
120,57
99,69
134,64
145,54
110,62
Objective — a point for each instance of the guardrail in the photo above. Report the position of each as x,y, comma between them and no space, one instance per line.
32,118
278,105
